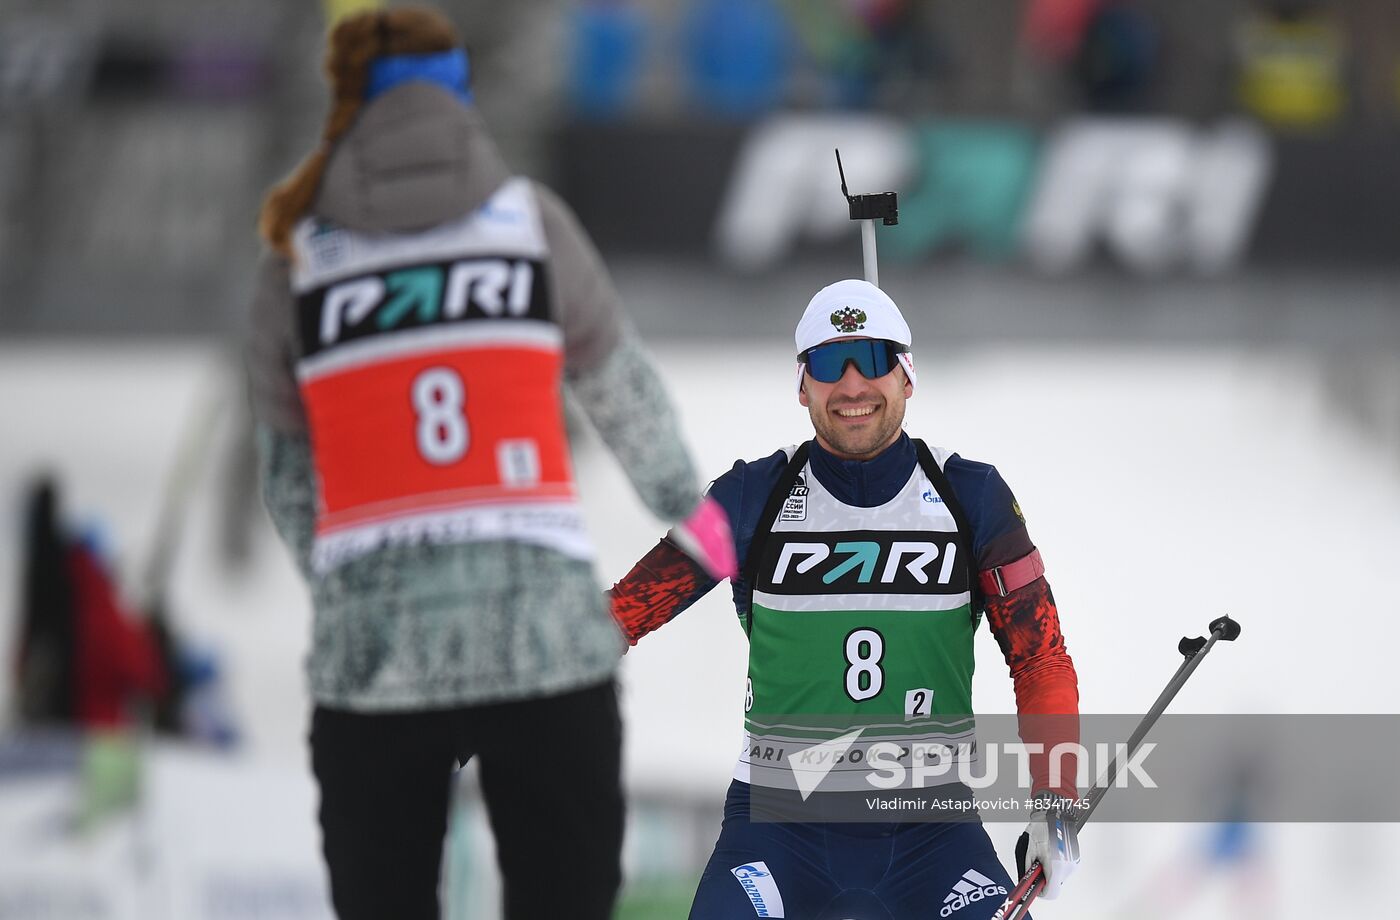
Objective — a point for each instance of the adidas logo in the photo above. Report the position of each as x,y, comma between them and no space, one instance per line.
971,888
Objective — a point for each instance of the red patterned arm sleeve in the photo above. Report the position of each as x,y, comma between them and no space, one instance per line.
1027,627
663,583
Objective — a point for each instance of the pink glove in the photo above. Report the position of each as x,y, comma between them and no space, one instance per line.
705,537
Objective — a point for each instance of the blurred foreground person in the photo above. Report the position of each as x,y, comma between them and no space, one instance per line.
868,560
415,317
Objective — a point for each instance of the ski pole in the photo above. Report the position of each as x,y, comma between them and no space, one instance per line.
1018,902
867,209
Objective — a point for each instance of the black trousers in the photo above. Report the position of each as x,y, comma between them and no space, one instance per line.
550,774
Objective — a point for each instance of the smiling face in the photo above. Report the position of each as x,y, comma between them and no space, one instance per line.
855,418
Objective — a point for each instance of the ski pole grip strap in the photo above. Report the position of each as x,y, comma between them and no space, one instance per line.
1004,579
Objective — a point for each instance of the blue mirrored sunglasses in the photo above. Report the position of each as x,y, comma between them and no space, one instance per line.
872,357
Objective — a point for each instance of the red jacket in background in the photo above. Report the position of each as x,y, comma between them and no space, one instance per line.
116,657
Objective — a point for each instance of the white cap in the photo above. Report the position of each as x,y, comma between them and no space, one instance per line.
853,308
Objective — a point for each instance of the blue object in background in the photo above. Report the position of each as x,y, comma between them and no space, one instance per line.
206,715
1118,61
608,42
737,55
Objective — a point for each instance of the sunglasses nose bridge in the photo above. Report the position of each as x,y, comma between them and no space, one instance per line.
852,379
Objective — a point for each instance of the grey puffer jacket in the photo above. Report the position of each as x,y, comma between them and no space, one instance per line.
430,626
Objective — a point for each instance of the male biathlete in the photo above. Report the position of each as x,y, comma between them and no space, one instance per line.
860,607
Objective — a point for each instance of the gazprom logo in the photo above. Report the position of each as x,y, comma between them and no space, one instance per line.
761,889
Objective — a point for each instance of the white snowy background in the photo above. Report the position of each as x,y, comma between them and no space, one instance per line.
1165,486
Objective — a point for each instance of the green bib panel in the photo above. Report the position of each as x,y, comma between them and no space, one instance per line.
861,619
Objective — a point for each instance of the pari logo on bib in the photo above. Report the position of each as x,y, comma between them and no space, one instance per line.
762,890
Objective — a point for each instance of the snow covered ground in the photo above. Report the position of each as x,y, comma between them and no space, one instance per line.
1164,486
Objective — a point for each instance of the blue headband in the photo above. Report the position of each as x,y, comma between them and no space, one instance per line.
448,69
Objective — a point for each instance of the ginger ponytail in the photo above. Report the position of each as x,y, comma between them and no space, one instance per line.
352,45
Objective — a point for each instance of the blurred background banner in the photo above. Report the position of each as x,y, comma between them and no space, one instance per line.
1147,250
1153,137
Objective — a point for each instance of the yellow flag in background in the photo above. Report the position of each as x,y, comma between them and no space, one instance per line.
1293,71
337,10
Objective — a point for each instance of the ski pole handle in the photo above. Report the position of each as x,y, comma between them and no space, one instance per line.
867,209
868,252
1223,629
1193,651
